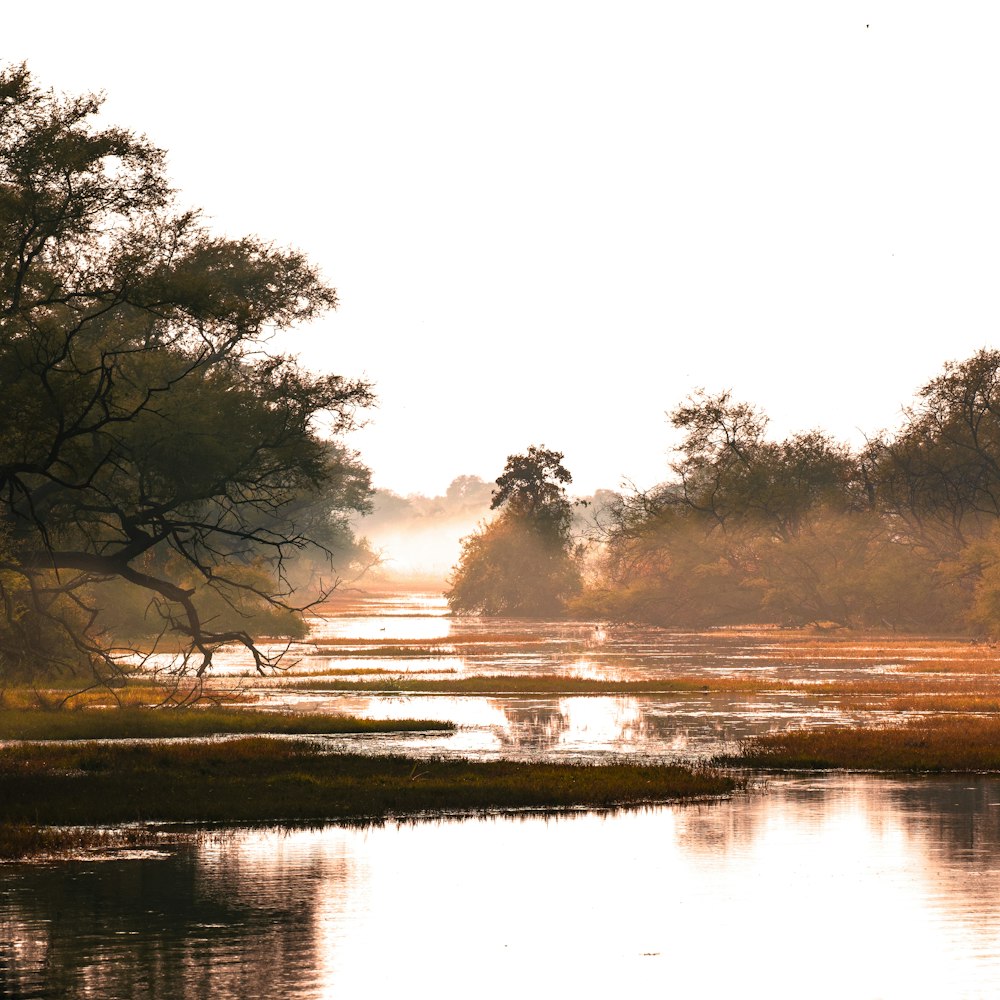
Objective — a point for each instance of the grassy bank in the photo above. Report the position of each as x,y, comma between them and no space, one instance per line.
138,723
927,744
500,684
257,779
878,687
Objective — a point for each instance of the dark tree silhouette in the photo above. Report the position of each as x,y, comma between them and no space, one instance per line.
147,435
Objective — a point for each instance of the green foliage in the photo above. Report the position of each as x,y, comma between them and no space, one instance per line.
522,563
533,486
147,436
845,567
729,472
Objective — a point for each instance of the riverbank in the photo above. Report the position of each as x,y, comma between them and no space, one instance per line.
257,780
192,722
926,744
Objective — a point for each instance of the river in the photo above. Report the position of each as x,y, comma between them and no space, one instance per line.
833,886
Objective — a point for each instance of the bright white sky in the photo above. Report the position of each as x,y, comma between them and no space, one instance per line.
549,221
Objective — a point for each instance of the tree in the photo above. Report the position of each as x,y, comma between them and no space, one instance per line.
940,476
522,563
147,435
731,474
746,528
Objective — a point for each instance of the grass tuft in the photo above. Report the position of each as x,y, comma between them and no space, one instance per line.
20,840
499,684
146,723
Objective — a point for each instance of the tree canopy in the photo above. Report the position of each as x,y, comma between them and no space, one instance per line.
904,532
147,434
521,563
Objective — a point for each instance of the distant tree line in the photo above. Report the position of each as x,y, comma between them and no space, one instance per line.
903,533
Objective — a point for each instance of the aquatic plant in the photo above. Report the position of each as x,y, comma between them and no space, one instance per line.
144,723
924,744
255,779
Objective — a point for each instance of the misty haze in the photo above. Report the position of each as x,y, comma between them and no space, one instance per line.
560,461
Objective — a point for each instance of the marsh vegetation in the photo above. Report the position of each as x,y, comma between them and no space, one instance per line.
260,779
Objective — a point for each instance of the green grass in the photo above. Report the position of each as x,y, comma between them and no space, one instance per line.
138,723
928,744
256,779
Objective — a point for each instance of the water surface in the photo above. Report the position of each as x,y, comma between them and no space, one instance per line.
823,887
658,727
835,886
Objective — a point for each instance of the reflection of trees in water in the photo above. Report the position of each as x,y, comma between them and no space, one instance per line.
187,925
651,724
531,725
959,820
950,825
548,724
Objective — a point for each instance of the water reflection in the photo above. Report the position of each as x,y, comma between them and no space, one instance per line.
600,650
223,920
664,727
593,727
843,886
353,631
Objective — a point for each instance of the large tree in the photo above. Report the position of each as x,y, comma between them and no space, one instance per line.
148,436
940,476
521,563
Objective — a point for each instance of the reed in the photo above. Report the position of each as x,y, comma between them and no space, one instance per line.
255,779
532,684
145,723
925,744
19,840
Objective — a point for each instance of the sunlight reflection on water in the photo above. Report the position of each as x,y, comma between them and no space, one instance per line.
834,887
558,727
839,886
407,635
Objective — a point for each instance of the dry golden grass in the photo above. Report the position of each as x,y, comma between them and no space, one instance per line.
172,723
944,702
925,744
467,639
524,684
898,684
354,672
137,692
855,649
265,780
955,665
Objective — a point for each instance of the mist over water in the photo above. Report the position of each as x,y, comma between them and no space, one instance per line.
418,538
